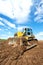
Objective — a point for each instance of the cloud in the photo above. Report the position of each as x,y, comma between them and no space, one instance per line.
6,34
1,24
0,29
39,12
22,10
39,36
20,28
11,25
16,9
6,7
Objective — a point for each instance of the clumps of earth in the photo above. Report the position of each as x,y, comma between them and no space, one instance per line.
10,55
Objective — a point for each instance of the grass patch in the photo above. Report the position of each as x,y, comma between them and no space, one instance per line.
2,40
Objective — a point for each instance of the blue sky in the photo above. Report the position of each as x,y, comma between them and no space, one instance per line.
17,14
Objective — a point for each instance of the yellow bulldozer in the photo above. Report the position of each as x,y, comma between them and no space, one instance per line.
26,38
22,41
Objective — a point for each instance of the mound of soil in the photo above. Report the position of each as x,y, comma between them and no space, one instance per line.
13,56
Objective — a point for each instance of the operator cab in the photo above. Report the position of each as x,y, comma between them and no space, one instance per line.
28,31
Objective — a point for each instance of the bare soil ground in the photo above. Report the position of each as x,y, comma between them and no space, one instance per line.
11,56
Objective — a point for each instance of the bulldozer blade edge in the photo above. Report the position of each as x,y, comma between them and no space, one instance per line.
30,47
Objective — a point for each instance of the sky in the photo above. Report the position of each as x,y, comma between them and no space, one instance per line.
17,14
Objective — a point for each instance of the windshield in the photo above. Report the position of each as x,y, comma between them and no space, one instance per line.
28,31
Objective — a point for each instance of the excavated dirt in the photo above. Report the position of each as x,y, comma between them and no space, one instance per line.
12,56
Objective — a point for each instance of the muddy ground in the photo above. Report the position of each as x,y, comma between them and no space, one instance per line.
11,56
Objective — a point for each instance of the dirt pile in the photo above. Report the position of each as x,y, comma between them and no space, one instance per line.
13,56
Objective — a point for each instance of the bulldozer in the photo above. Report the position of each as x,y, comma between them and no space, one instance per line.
26,38
22,41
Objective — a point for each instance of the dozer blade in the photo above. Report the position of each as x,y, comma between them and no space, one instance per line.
31,46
